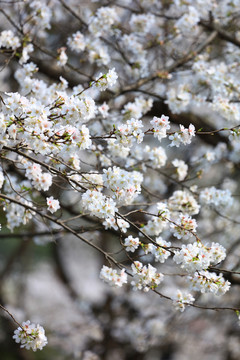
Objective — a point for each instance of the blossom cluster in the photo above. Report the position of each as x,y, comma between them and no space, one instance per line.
53,204
196,256
216,197
104,18
184,227
184,136
106,80
131,243
206,281
98,204
159,251
160,126
157,224
145,277
112,277
182,168
138,108
124,184
156,156
40,180
30,336
181,300
9,40
130,131
183,201
18,214
116,224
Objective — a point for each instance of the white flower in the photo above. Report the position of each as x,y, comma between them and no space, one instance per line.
130,131
107,80
112,277
182,168
111,77
186,227
8,40
160,126
98,204
160,253
184,202
53,205
138,108
77,42
205,282
180,300
124,184
142,23
184,136
25,53
197,256
131,243
103,109
157,156
103,20
62,58
145,277
116,224
216,197
30,336
188,21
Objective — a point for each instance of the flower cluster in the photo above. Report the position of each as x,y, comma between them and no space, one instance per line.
142,23
196,256
156,156
77,42
160,126
188,21
18,214
154,226
117,149
104,18
216,197
159,251
135,50
42,14
184,136
8,40
129,131
145,277
53,204
112,277
131,243
107,80
182,168
116,224
157,224
137,108
184,227
40,180
181,300
183,201
25,53
98,204
101,152
206,281
125,185
30,336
